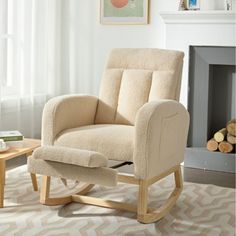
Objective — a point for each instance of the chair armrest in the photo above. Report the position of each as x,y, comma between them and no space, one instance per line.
161,129
66,112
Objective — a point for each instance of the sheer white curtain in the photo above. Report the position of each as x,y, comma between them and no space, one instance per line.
37,59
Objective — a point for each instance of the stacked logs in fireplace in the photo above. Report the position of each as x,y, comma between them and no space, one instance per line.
224,140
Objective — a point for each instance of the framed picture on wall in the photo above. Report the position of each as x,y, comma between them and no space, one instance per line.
126,12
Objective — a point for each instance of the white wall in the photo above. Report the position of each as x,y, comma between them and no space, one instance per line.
88,43
96,40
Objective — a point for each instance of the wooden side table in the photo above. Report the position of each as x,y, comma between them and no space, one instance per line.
28,147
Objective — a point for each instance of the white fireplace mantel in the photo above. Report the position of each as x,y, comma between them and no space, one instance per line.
197,28
198,17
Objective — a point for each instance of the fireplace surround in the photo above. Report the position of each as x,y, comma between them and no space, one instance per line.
211,103
206,29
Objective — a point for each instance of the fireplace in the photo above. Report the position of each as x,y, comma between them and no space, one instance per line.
216,30
211,103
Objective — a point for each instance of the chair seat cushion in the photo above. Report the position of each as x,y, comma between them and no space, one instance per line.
71,156
115,142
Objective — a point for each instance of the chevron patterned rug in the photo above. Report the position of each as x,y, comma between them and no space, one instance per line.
201,210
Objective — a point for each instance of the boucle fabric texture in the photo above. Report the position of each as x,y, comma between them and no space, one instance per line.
161,130
71,156
133,77
65,112
114,141
102,175
136,117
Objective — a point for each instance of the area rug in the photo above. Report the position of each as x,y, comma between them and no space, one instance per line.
200,210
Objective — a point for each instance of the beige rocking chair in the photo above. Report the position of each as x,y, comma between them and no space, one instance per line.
136,119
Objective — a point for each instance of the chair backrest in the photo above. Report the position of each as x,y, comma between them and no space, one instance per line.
133,77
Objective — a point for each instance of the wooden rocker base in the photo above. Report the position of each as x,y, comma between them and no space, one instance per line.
144,214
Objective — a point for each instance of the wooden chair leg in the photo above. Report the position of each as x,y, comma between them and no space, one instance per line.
155,215
144,214
34,181
45,189
142,200
45,193
2,182
178,178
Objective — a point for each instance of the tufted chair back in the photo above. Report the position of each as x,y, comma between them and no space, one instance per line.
133,77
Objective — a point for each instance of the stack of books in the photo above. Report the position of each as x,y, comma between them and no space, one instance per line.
12,138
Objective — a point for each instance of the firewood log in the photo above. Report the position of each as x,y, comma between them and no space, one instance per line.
219,136
225,147
231,139
212,145
231,127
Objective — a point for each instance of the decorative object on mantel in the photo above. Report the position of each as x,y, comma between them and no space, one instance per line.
223,5
200,18
192,4
229,5
182,5
124,12
224,139
189,5
207,5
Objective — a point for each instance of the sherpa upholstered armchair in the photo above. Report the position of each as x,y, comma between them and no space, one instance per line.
136,119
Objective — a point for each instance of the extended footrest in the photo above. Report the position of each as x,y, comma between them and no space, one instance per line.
69,163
